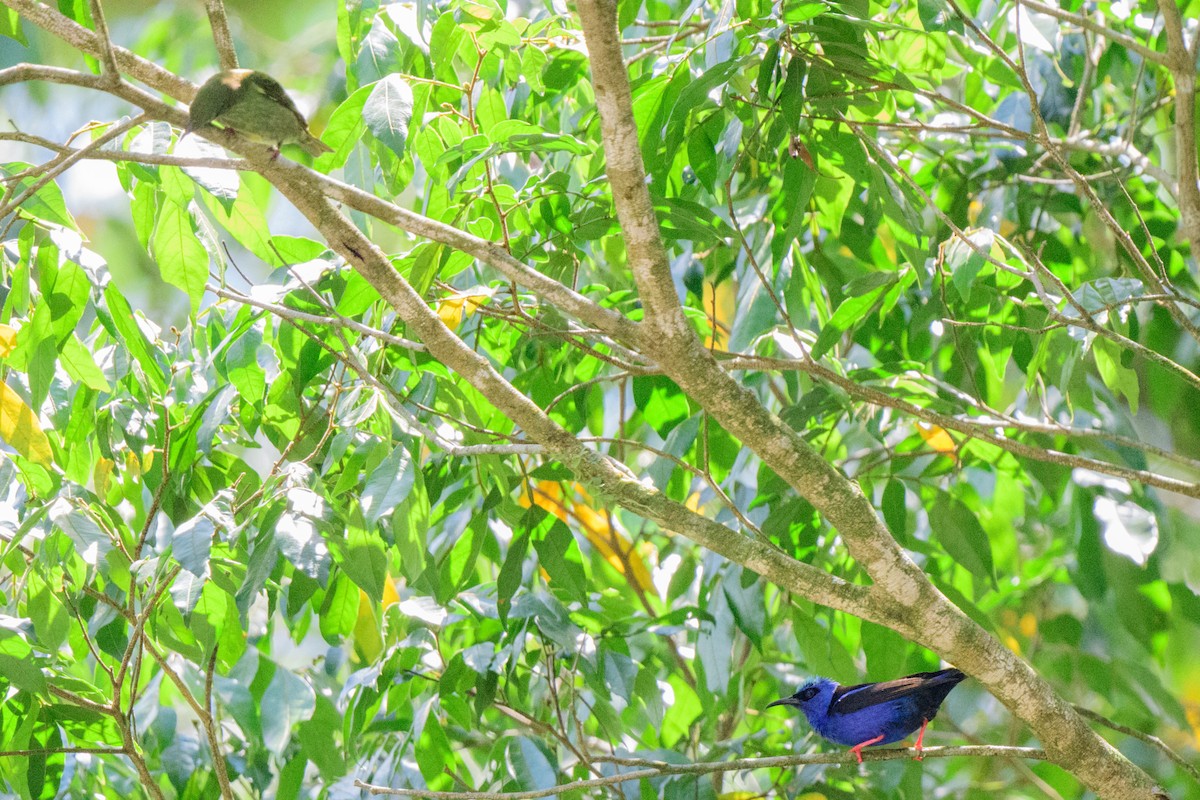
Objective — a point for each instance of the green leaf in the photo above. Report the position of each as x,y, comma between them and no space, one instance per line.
388,111
965,259
852,311
747,604
16,659
531,764
695,93
287,701
1116,376
895,510
192,544
78,362
301,543
459,564
958,531
339,610
661,402
823,652
182,259
242,216
92,543
511,573
360,555
10,26
120,319
345,129
66,293
389,485
559,555
45,204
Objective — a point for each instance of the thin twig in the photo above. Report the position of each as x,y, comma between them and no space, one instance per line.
657,769
1148,738
107,56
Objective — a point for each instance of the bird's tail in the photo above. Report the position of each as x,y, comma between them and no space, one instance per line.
313,146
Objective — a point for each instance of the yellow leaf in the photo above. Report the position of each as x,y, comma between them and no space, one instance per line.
8,340
887,240
453,310
936,437
614,546
548,496
974,209
719,306
479,11
450,312
1191,702
390,595
19,427
617,550
102,475
368,637
1028,626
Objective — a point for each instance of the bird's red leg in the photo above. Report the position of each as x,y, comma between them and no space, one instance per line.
857,749
920,736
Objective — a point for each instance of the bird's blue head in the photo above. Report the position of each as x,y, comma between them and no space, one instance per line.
813,698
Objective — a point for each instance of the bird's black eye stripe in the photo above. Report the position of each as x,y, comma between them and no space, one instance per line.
808,694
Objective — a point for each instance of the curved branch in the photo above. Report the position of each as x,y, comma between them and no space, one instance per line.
1148,738
609,477
490,253
86,41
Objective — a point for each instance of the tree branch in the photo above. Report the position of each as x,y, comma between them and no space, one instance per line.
609,477
658,769
222,37
1183,70
1089,24
917,609
111,71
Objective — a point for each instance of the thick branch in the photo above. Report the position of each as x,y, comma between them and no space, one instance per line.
608,477
1183,71
627,175
222,37
86,41
916,605
566,299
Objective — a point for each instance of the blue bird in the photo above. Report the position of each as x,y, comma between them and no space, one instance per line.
873,713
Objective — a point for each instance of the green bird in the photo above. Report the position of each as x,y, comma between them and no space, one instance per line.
256,106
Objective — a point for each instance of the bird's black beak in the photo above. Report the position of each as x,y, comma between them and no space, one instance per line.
787,701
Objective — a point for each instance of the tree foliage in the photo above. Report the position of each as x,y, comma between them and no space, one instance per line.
553,419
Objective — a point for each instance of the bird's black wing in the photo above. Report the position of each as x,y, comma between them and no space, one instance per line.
274,90
847,699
